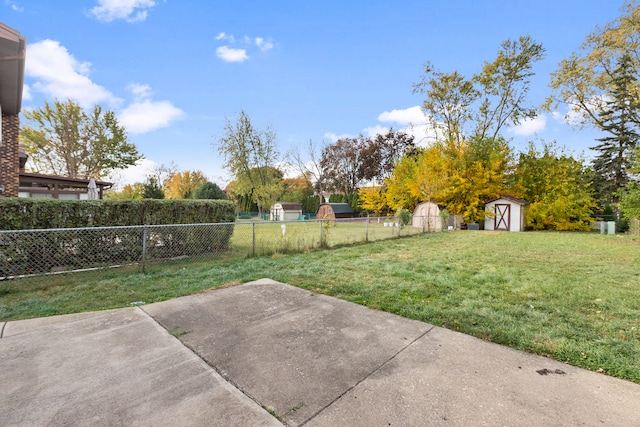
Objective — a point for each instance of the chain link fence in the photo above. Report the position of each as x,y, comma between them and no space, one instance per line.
27,253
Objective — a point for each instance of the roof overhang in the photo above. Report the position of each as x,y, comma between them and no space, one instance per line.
61,180
13,49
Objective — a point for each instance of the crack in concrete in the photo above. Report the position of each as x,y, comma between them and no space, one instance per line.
366,376
257,402
216,370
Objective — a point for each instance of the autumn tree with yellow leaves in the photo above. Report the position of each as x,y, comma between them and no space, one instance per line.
183,185
557,188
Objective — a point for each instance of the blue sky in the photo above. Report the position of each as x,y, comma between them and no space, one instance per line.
173,70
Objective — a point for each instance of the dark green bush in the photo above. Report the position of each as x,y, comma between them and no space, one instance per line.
87,246
30,214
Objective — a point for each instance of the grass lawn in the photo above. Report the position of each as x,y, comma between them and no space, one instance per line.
573,297
300,236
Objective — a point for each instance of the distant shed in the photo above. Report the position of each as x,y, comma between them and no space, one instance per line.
334,211
505,213
286,211
427,217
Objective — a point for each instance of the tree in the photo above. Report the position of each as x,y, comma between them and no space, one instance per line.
250,155
151,189
340,165
183,185
630,195
504,87
457,174
583,80
297,189
245,193
414,179
307,164
62,139
210,190
475,174
129,192
557,187
373,199
620,120
490,100
380,154
449,97
161,173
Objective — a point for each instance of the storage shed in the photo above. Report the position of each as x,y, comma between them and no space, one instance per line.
426,216
334,211
286,211
505,213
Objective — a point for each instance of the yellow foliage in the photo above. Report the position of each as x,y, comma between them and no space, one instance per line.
373,199
129,192
183,185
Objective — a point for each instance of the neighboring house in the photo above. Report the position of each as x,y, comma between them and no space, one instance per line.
286,211
57,187
426,216
14,181
334,211
505,213
12,56
36,185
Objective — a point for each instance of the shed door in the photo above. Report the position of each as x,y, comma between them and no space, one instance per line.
503,217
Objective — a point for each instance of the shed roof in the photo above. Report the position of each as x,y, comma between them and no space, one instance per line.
509,198
290,206
12,55
339,208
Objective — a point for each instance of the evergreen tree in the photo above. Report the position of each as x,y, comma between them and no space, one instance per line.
620,120
210,190
151,189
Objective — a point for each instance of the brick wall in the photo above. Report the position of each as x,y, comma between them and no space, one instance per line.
9,161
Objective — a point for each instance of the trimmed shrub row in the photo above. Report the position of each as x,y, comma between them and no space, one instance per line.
31,214
44,250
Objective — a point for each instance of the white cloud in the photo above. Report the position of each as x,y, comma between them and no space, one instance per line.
14,6
408,116
530,126
128,10
411,121
331,136
26,93
60,75
374,131
132,174
144,115
140,91
224,36
231,55
263,45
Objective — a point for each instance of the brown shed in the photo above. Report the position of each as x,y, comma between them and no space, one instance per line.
334,211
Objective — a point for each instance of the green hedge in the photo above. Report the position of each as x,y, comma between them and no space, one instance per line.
46,250
30,214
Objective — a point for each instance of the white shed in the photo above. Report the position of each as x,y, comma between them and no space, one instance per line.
286,211
505,213
426,216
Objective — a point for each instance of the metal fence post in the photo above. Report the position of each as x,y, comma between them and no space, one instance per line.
253,238
320,244
144,248
366,234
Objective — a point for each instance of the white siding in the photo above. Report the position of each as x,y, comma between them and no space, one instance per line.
516,215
